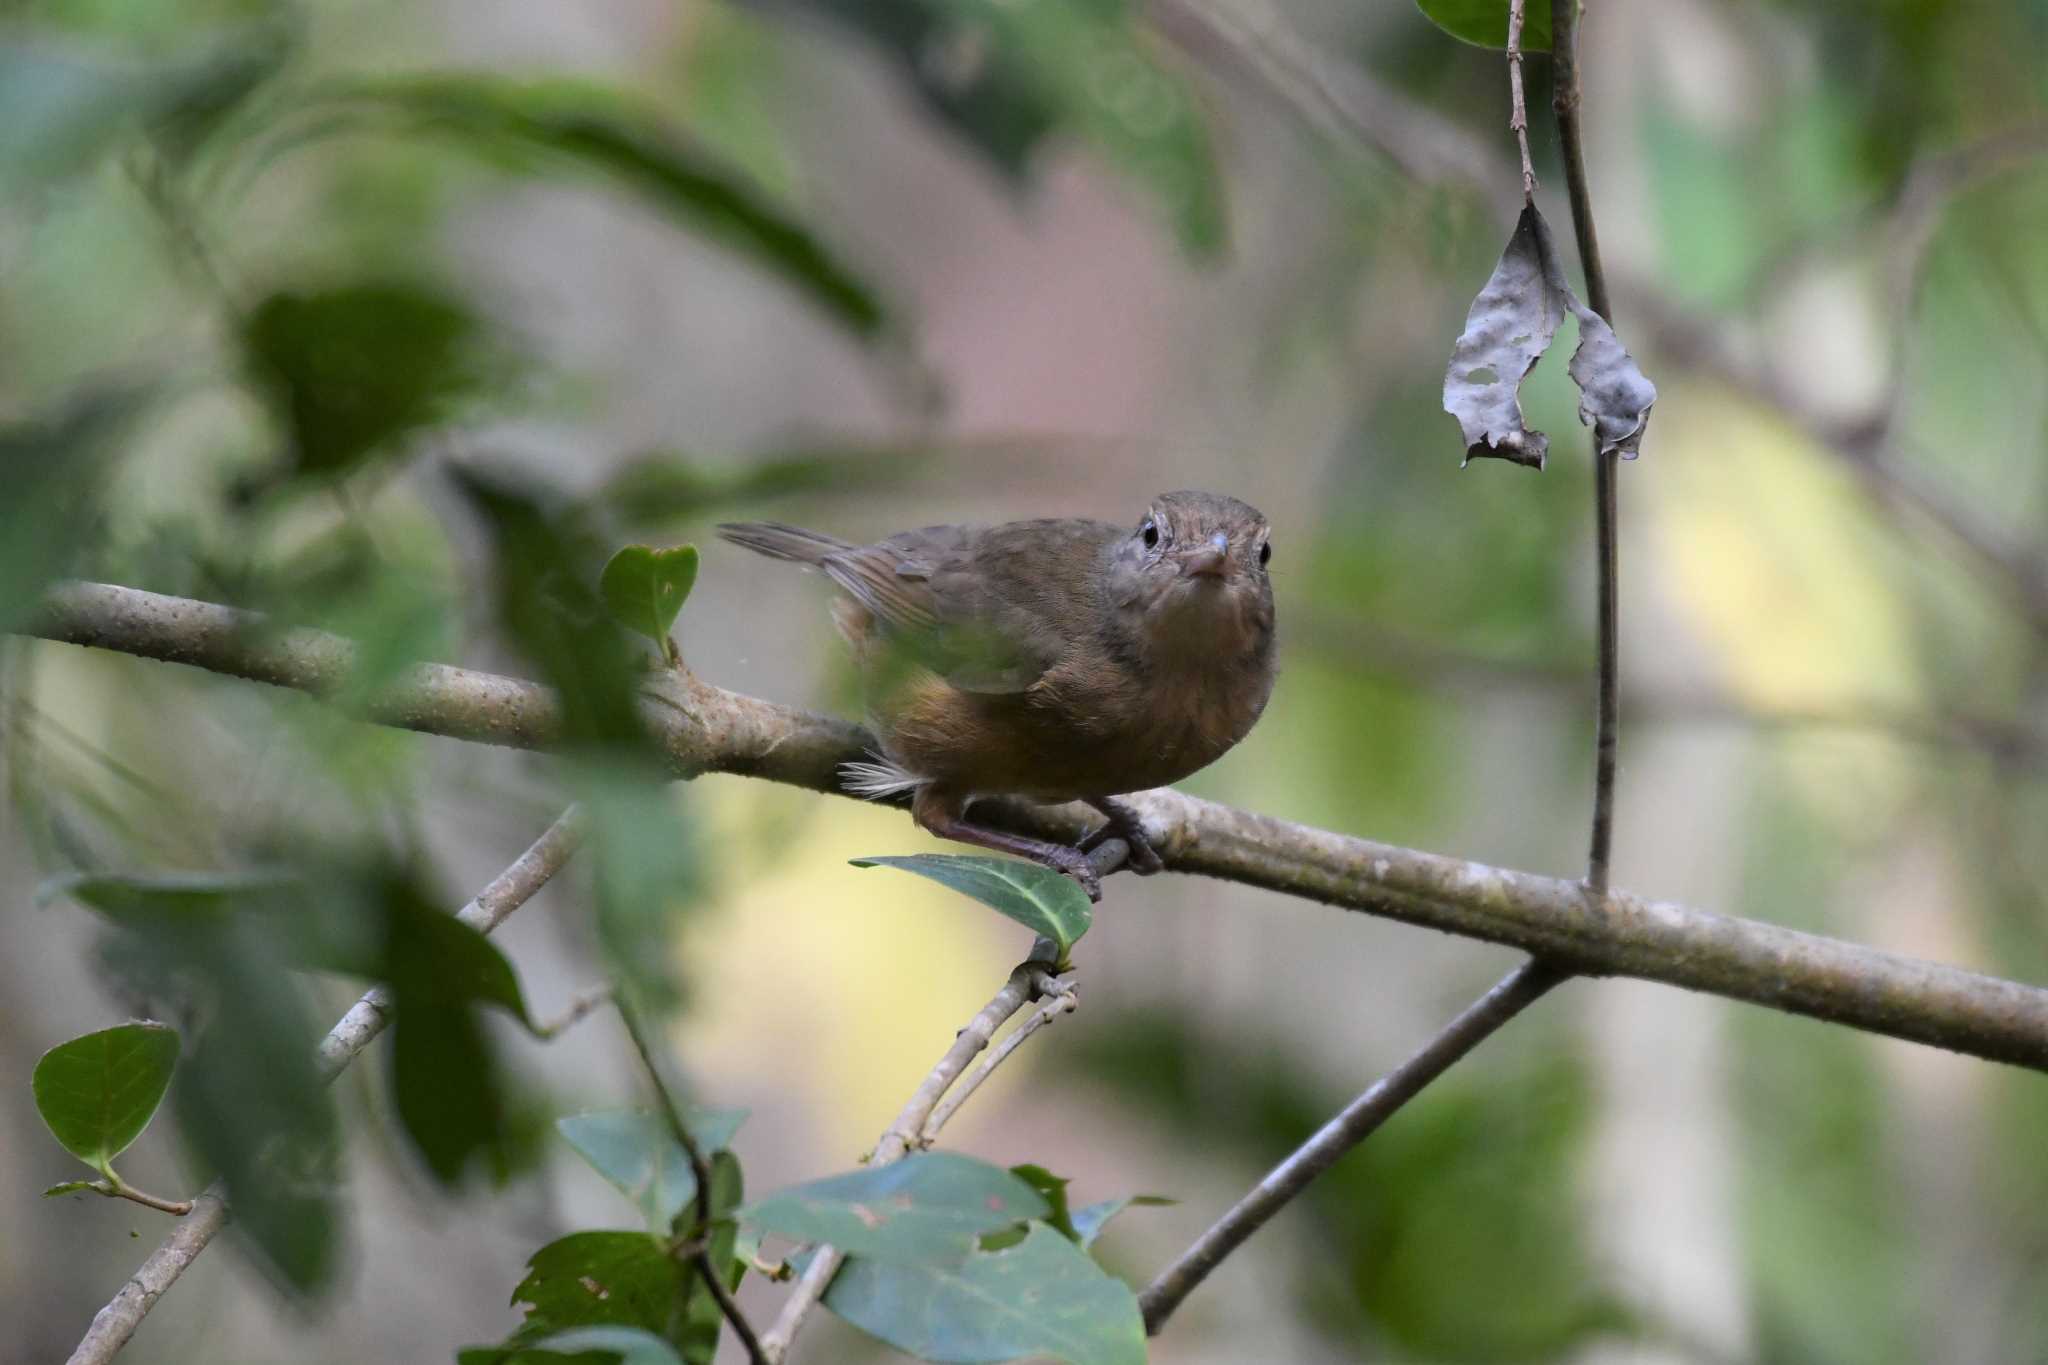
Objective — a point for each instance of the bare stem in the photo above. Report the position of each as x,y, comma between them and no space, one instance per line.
700,1209
579,1009
1359,1120
114,1187
1518,115
114,1324
905,1134
1565,101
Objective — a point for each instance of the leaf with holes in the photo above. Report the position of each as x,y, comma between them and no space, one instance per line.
1510,325
1044,901
98,1092
927,1207
618,1279
644,588
641,1158
1485,22
1043,1297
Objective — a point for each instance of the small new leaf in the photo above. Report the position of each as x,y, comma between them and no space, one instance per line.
98,1092
926,1208
1048,903
644,588
641,1158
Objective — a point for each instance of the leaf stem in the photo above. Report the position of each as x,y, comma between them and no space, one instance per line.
1518,115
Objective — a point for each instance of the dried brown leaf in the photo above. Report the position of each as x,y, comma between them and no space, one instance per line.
1510,325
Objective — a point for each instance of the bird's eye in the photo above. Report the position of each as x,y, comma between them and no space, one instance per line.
1265,554
1149,532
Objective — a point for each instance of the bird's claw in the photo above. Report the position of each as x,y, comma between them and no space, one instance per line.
1121,823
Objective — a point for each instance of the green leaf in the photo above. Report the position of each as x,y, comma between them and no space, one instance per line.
927,1207
54,470
601,129
356,369
641,1158
644,588
70,1187
1046,902
1053,1189
1089,1221
588,1279
1485,22
631,1345
1042,1297
98,1092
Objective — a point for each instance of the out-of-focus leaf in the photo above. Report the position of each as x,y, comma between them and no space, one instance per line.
1485,22
1510,326
98,1092
1506,332
927,1207
603,129
645,588
356,369
647,874
53,471
1004,75
637,1154
1043,1297
62,104
628,1345
1614,395
1091,1219
1046,902
587,1279
658,488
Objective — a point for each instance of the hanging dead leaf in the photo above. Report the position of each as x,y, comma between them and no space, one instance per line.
1509,327
1614,395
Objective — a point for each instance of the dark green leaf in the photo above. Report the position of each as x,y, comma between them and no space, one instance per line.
1053,1189
638,1155
1090,1220
644,587
357,369
630,1345
623,1279
603,130
1042,1297
1485,22
98,1092
927,1207
1046,902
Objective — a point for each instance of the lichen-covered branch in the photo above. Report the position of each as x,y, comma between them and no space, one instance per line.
1617,934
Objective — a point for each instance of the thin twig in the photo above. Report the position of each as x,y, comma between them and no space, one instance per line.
579,1009
1565,100
700,1204
1518,114
1618,934
114,1187
1057,997
1360,1119
903,1135
114,1324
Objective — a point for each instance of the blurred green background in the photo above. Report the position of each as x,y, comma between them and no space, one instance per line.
395,318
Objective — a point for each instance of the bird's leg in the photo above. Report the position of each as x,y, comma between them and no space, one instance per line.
943,814
1124,824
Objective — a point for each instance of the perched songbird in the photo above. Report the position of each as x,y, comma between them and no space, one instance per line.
1057,659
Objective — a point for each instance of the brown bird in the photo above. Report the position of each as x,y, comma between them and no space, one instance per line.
1060,659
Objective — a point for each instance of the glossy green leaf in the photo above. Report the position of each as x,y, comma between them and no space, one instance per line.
586,1279
604,130
927,1207
357,369
644,588
1485,22
641,1158
1091,1219
1043,1297
1048,903
98,1092
629,1345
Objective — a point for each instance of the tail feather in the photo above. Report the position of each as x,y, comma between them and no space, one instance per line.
779,540
879,780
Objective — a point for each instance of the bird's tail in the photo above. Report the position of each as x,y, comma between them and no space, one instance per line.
778,540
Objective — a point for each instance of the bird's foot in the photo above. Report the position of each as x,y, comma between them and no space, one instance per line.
1121,822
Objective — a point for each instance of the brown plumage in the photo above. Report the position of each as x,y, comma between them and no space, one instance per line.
1056,659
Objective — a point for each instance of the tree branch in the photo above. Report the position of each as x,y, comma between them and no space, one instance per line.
1617,934
1359,1120
903,1135
700,1210
114,1324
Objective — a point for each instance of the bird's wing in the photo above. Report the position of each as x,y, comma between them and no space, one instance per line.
988,608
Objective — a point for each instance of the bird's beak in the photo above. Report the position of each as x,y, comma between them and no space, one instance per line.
1212,560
